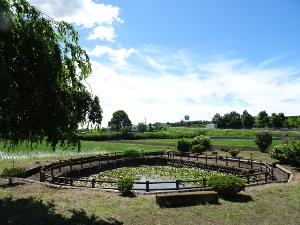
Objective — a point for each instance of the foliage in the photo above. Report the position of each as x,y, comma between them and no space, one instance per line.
183,145
198,148
234,152
277,120
125,185
141,127
247,120
287,153
119,121
230,120
131,153
227,186
10,173
262,120
158,126
263,140
204,141
42,95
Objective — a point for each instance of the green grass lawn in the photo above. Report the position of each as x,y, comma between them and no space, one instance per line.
226,142
33,203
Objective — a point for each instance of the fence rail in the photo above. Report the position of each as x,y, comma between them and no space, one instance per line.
256,171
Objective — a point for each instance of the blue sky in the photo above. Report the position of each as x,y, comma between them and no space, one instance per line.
163,59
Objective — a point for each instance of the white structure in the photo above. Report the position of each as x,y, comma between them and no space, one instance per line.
210,126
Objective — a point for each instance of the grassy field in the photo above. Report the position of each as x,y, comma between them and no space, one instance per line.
224,142
33,203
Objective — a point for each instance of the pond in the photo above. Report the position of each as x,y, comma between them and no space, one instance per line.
152,174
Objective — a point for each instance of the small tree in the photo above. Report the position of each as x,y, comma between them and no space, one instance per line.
263,140
247,120
202,140
183,146
119,121
11,173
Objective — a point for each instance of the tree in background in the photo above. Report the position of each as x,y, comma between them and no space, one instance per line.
232,120
141,127
262,120
42,95
119,121
247,120
277,120
218,120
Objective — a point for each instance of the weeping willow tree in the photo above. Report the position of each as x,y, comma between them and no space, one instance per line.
42,74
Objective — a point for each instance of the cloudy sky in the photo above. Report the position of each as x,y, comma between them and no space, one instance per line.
163,59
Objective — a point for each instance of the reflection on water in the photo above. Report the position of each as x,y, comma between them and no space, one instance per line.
159,186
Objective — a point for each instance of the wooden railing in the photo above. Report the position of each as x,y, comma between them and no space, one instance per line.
258,171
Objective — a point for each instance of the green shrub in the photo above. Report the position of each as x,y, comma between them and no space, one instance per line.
263,140
125,185
227,186
10,173
132,153
198,148
287,153
183,146
202,140
234,152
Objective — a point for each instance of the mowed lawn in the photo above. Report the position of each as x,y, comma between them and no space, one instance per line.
223,142
33,203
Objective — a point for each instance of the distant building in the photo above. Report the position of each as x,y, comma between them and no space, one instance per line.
210,126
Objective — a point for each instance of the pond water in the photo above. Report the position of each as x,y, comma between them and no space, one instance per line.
152,174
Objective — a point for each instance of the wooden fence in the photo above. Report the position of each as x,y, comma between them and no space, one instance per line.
253,171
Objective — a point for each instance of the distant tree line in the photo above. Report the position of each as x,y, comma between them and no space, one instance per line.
234,120
196,123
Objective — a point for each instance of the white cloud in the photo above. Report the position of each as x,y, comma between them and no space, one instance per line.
83,13
219,86
118,56
102,32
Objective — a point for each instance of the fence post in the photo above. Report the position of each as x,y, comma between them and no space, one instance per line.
261,169
93,183
251,162
99,159
206,159
177,184
248,178
147,186
226,160
161,154
272,174
59,169
204,182
90,160
51,170
266,176
42,178
216,159
239,159
107,158
71,167
81,162
71,181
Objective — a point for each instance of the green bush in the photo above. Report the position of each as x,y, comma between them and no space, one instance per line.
183,146
234,152
227,186
198,148
132,153
125,185
10,173
287,153
263,140
202,140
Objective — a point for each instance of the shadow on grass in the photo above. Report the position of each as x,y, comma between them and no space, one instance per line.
14,184
128,195
239,198
31,211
